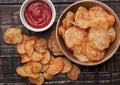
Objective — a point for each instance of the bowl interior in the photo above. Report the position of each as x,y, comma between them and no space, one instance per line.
88,4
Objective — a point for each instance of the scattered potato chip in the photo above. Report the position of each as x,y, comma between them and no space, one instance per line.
21,72
25,58
74,72
56,66
48,76
21,49
82,18
25,37
67,65
112,34
37,56
99,39
52,44
74,36
13,36
29,45
37,81
40,45
46,58
44,67
32,67
36,67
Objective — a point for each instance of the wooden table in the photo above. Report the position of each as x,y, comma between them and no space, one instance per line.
107,73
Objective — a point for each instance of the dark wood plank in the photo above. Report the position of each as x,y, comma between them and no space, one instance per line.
4,2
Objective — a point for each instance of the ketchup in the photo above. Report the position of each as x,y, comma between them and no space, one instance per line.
38,14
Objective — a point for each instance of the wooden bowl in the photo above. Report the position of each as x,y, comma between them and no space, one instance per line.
88,4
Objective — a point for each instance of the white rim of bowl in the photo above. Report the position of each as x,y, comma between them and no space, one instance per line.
22,18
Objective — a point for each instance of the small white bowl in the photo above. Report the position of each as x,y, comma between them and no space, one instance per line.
22,9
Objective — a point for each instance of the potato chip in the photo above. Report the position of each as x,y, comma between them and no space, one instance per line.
37,56
100,11
69,17
67,65
93,54
32,67
25,58
25,37
82,18
37,81
36,67
96,8
21,49
74,72
74,36
29,45
56,66
99,23
48,76
99,39
79,54
21,72
44,67
13,36
112,34
40,45
62,30
46,58
52,44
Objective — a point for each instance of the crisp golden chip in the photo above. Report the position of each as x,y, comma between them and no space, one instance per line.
21,72
36,67
56,66
100,11
82,18
13,36
48,76
69,17
112,34
52,44
44,67
74,36
99,39
93,54
74,72
67,65
80,52
40,45
99,23
29,45
32,67
46,58
21,49
62,30
25,37
25,58
37,81
37,56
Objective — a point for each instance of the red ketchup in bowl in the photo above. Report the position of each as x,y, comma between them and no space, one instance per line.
38,14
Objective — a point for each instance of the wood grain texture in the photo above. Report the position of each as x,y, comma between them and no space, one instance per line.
107,73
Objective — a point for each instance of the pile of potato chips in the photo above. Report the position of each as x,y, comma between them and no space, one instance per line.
88,32
38,64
